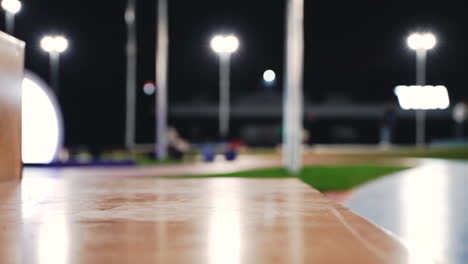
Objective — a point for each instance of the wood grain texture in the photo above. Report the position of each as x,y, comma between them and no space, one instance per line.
62,216
11,78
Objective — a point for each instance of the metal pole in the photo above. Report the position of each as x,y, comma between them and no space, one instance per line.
224,94
421,81
55,72
10,23
293,112
162,62
131,51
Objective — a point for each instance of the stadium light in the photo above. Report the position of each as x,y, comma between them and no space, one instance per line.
424,41
11,7
224,45
54,45
421,43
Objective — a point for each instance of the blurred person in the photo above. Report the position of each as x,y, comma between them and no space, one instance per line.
460,116
388,125
177,146
305,140
237,145
305,136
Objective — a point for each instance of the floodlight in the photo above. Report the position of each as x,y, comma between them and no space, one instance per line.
11,6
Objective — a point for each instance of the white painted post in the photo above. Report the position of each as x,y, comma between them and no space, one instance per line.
293,97
131,78
162,62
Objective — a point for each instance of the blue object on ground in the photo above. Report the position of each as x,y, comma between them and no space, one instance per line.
208,153
230,155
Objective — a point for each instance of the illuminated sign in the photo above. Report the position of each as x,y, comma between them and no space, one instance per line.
422,97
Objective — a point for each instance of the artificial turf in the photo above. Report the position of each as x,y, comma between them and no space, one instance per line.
322,178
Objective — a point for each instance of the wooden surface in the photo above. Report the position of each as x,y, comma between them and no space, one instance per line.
11,78
61,216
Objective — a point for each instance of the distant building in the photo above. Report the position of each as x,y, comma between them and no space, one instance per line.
257,119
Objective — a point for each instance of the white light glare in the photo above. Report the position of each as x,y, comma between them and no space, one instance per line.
61,44
422,97
12,6
41,130
57,44
232,44
269,76
217,44
225,44
419,41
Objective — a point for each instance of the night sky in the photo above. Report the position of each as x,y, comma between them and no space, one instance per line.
354,49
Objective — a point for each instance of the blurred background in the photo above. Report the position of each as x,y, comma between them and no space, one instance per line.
362,62
355,54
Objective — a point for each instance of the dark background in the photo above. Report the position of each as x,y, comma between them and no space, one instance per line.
355,49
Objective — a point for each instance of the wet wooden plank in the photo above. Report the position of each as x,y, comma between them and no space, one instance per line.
67,217
11,78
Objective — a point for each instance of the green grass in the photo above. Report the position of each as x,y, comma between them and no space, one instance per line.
322,178
339,178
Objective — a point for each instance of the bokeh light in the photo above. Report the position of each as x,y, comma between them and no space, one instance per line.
419,41
61,44
42,129
422,97
225,44
11,6
47,44
149,88
232,44
269,76
217,44
57,44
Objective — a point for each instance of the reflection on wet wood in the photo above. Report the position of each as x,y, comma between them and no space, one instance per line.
66,217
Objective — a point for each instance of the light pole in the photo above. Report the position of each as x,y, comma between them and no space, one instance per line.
421,43
11,7
224,46
131,74
162,68
54,45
